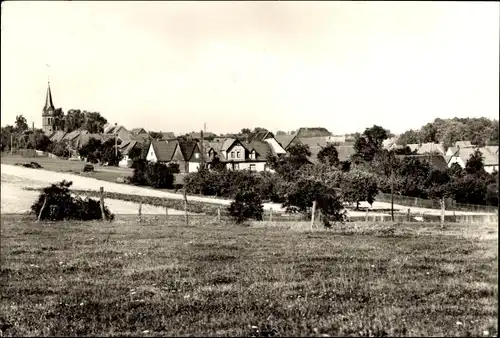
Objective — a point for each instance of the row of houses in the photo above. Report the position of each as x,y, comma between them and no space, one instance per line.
459,153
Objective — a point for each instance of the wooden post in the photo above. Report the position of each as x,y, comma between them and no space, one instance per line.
166,213
101,196
140,211
409,215
186,208
442,211
392,194
218,214
271,215
366,216
43,207
312,214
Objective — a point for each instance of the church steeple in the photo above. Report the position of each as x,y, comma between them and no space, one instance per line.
48,113
49,105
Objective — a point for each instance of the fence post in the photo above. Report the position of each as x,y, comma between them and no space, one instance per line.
166,213
312,214
101,199
409,215
43,207
442,211
186,208
140,211
218,214
366,216
271,215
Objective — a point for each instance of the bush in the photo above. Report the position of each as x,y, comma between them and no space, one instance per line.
88,167
60,205
156,175
246,205
32,165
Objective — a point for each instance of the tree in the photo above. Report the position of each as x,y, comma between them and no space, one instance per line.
21,124
59,122
475,163
289,165
246,205
94,122
329,155
370,142
359,186
92,150
75,119
38,140
301,193
409,137
135,153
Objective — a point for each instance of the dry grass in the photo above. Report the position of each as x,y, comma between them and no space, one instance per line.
124,278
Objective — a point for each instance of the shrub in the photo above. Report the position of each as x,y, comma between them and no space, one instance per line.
88,167
246,205
156,175
60,205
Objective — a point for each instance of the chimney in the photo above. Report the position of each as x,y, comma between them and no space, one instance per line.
33,124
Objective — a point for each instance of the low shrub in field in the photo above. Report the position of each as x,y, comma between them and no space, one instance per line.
88,168
156,175
58,205
32,165
246,205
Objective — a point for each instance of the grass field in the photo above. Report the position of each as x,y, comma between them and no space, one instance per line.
123,278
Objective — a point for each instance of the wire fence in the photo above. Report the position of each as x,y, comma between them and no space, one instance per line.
450,204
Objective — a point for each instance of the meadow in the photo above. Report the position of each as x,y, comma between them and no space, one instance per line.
125,278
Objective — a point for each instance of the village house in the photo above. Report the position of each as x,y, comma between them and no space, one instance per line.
490,155
125,148
186,153
240,155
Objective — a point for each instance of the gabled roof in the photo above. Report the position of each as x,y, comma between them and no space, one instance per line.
168,135
286,140
187,148
142,138
491,149
227,143
313,132
164,151
127,146
138,131
428,148
262,135
490,154
262,149
58,136
72,135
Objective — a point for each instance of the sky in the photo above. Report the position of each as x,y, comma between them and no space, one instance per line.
173,66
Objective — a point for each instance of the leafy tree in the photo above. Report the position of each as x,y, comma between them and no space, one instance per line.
38,140
475,163
21,124
369,143
329,155
359,186
60,149
410,177
92,151
437,184
75,119
59,122
409,137
135,153
217,165
94,122
247,204
289,165
302,192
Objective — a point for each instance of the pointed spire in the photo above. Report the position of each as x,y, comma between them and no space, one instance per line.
49,105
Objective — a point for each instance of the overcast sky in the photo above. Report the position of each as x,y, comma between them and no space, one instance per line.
172,66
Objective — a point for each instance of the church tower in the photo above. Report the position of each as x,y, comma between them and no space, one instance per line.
48,113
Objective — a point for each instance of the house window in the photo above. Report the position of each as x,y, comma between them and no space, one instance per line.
237,154
196,155
232,154
236,166
252,155
252,167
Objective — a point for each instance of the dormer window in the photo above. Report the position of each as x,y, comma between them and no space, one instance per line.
196,155
252,155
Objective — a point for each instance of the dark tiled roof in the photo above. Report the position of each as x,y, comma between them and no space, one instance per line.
262,149
187,148
285,140
262,135
313,132
127,146
163,150
168,135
